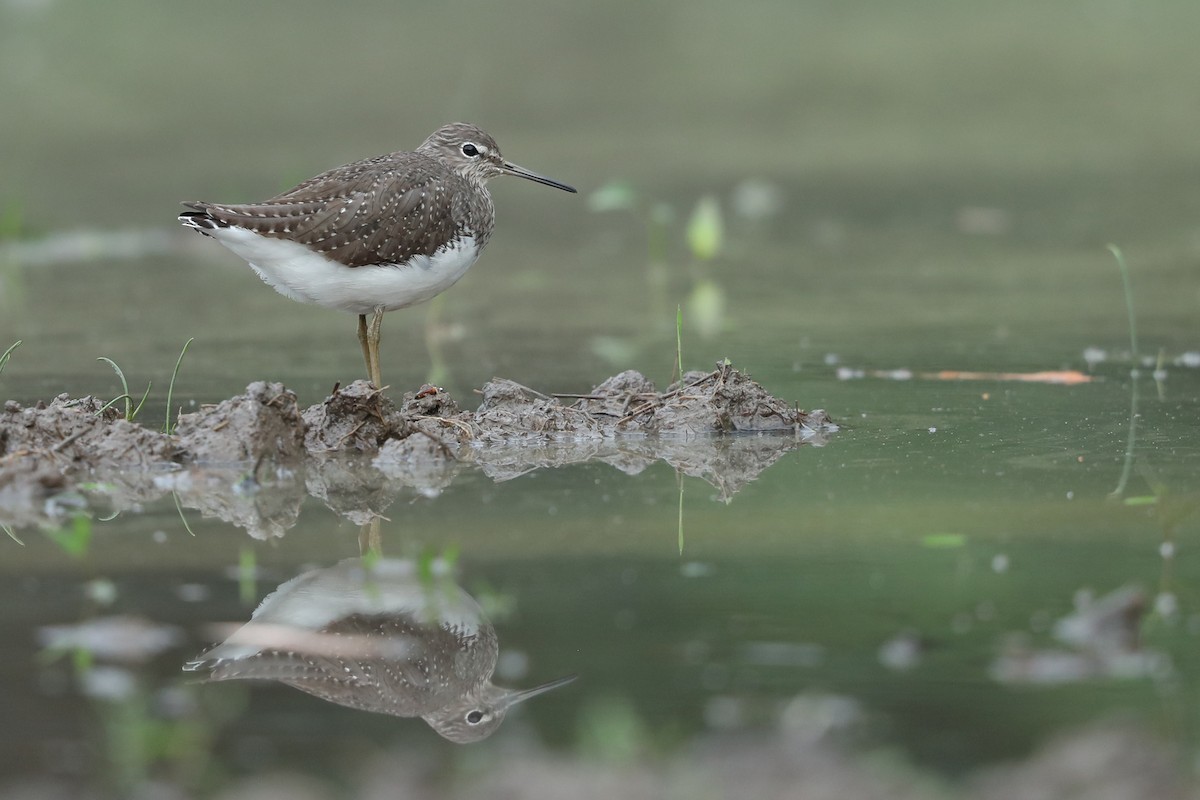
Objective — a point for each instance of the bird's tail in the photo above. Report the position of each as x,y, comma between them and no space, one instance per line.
199,219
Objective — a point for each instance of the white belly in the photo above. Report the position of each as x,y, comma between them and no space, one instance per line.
297,272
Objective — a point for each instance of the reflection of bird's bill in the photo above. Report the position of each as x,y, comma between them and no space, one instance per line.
521,696
250,639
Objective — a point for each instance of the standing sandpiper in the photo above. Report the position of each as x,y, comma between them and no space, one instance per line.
376,235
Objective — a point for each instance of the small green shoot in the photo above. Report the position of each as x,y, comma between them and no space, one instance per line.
167,426
131,411
679,340
1120,257
7,354
1131,439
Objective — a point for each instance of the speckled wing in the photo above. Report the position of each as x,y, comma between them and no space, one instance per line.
383,210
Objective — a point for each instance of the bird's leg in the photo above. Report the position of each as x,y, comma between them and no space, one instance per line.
362,340
373,343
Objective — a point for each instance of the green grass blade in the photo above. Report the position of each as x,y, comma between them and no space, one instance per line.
133,414
679,339
124,384
7,354
1131,438
112,403
1120,257
167,426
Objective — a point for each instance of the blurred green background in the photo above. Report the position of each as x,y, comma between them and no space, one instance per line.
926,185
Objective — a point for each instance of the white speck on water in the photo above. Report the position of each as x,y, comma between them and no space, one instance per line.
159,537
1070,495
192,592
1167,549
1000,563
932,429
1094,355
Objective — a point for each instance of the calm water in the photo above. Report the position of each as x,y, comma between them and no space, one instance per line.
928,188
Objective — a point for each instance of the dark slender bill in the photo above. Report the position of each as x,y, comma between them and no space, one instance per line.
521,172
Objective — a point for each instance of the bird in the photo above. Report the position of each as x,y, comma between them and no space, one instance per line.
377,636
375,235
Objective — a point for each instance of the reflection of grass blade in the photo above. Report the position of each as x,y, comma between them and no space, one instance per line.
247,575
7,354
182,518
681,514
11,534
171,387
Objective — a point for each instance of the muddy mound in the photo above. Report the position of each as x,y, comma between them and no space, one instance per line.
264,422
722,401
81,434
356,451
355,419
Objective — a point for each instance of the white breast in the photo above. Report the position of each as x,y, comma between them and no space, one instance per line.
306,276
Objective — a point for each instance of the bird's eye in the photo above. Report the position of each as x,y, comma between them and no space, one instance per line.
469,150
474,717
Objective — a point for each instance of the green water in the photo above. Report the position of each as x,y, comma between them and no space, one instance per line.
945,180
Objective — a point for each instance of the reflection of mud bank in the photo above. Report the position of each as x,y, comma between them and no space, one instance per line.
356,449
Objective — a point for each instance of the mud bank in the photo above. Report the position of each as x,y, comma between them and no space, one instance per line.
357,449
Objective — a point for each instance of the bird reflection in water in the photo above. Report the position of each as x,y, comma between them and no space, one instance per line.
385,637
